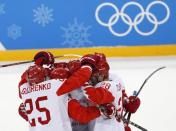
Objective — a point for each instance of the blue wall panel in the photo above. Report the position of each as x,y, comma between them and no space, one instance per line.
35,24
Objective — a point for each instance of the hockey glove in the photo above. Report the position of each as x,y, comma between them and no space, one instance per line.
108,110
99,95
22,111
132,105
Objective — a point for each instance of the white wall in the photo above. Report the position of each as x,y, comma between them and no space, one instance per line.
156,113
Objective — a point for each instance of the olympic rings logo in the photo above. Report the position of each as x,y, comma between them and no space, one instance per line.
137,20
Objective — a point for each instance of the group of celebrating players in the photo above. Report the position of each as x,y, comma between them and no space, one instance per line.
78,95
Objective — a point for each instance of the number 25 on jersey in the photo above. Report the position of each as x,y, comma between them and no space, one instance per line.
36,103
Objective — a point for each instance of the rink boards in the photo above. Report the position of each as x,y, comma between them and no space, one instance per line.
123,51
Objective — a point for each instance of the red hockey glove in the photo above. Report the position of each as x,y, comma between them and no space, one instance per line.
108,110
80,113
44,58
22,111
76,80
99,95
127,128
132,105
74,65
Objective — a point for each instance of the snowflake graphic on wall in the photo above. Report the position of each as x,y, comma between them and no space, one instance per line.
43,15
76,34
2,9
14,31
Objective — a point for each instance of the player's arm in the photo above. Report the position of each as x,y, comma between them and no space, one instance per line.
76,80
80,76
82,114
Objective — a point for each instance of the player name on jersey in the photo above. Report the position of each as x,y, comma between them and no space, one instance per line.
34,88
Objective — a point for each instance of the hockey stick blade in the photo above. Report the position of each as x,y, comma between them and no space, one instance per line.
135,125
25,62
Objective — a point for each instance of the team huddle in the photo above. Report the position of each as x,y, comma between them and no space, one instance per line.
79,95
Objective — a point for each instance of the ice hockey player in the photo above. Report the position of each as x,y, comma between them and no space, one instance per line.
37,74
90,112
41,106
111,108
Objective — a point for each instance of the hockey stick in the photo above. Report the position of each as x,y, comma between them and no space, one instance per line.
25,62
147,79
101,108
76,55
134,124
129,114
17,63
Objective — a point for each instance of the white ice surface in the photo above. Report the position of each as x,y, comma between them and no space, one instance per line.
158,107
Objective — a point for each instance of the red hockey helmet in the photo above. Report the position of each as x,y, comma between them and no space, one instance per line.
101,56
89,59
44,58
103,69
36,74
101,73
74,65
60,65
102,64
59,73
